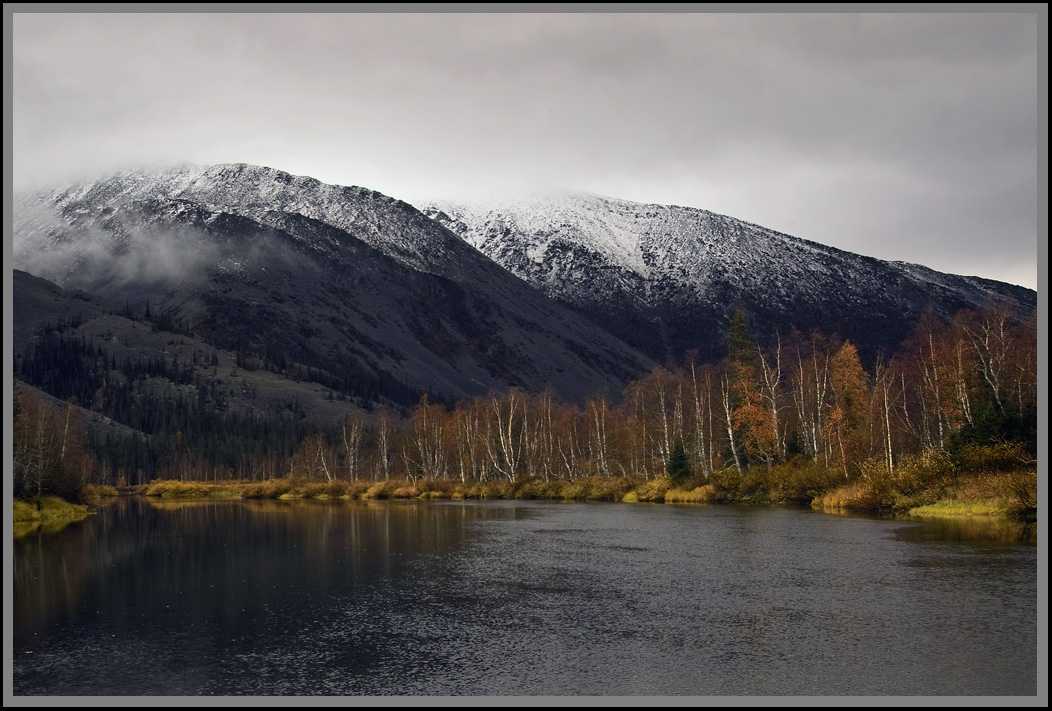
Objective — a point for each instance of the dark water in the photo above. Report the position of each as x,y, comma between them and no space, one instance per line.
440,598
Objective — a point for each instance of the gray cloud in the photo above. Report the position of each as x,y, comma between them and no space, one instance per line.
902,136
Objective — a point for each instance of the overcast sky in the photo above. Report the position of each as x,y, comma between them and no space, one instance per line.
901,136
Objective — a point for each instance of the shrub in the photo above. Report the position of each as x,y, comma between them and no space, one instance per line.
859,496
357,488
269,489
999,457
606,489
94,491
379,490
653,490
533,488
726,485
310,490
758,486
801,481
494,490
336,488
1019,489
406,492
930,469
437,488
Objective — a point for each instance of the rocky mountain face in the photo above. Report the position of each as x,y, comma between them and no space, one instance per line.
667,279
344,285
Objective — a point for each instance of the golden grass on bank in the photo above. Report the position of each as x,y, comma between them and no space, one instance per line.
1016,490
379,490
172,487
98,491
593,488
858,496
488,490
956,507
47,514
437,488
269,489
937,493
535,488
652,491
697,495
48,508
916,482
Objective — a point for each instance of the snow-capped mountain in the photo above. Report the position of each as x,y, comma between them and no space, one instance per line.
351,285
667,279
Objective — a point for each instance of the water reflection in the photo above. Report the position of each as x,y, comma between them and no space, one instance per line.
972,530
273,597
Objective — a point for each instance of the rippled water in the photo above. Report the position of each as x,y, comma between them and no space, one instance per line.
523,598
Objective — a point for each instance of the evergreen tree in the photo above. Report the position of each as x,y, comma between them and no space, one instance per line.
740,348
678,465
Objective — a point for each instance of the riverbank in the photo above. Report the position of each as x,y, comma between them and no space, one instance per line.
1010,495
48,508
998,494
48,513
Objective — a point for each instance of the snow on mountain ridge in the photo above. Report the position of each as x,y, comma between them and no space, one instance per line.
551,218
650,242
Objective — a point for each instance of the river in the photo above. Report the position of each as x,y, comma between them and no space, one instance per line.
520,598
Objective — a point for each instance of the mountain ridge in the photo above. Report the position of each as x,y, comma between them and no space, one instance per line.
676,274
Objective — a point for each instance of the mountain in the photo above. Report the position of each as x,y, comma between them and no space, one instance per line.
667,279
341,286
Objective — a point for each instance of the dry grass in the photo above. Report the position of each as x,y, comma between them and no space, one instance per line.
592,489
186,489
697,495
269,489
956,507
380,490
652,491
410,491
931,483
48,508
438,488
858,496
98,491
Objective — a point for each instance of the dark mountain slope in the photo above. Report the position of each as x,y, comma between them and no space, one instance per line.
360,290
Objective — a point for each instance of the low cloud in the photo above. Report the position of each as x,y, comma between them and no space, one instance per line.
111,259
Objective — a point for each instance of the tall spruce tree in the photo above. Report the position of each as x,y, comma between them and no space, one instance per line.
678,465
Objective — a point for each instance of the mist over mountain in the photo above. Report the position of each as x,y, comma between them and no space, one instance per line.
667,279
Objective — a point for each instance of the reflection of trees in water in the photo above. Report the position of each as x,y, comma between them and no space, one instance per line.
224,562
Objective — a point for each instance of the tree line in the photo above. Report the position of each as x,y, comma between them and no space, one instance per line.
970,382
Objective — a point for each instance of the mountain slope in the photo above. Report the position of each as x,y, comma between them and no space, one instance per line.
667,279
357,290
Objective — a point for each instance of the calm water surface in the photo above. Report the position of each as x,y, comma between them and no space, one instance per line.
439,598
